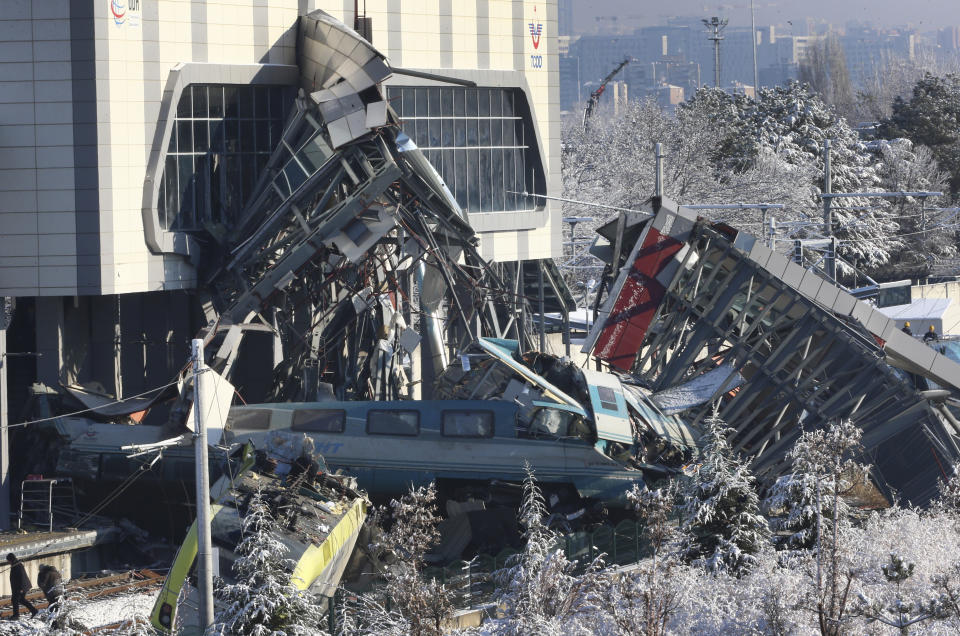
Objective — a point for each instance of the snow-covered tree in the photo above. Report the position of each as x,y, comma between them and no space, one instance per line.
644,601
931,116
898,612
409,602
264,600
949,499
722,525
540,589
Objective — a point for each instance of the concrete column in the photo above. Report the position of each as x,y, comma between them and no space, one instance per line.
49,339
4,447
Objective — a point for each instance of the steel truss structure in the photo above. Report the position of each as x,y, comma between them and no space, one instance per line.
692,295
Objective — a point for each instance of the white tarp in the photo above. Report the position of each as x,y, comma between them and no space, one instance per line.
216,395
698,390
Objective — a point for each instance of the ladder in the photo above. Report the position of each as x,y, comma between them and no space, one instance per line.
42,499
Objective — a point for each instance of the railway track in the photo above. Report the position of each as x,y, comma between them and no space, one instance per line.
95,589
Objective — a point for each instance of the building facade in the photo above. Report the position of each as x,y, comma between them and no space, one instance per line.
132,131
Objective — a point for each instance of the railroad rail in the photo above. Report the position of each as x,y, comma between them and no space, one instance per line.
94,589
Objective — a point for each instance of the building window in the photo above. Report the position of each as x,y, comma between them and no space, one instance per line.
467,424
383,422
222,138
328,421
480,140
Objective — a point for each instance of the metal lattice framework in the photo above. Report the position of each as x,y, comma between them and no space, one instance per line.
804,365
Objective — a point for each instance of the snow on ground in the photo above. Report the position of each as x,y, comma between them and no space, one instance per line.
116,609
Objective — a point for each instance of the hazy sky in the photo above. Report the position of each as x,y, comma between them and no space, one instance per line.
922,14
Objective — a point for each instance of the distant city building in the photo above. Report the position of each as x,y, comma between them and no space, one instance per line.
948,38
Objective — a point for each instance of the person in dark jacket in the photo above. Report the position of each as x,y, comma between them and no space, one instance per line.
50,582
931,335
19,586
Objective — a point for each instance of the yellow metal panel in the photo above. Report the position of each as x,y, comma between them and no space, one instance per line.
315,558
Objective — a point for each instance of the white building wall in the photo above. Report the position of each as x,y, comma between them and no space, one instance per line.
50,247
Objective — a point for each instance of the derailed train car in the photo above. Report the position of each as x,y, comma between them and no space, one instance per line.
588,435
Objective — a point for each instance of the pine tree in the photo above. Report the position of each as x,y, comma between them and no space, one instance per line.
541,591
949,499
264,601
723,528
410,602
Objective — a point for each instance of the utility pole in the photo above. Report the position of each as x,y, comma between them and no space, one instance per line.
715,27
5,316
756,75
204,551
828,214
658,176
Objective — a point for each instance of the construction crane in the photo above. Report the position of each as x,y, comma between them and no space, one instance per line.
595,95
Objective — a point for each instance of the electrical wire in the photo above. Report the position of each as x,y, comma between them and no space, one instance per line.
94,408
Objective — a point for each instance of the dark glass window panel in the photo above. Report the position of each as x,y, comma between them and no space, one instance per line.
434,98
200,102
217,187
496,132
201,178
185,105
276,132
295,176
484,136
262,132
460,159
406,102
184,136
472,424
329,421
216,136
483,101
277,108
607,398
247,143
509,180
248,419
420,106
473,179
185,179
471,125
446,101
446,133
509,133
171,192
245,101
496,179
232,196
471,102
484,181
496,109
420,136
508,104
230,97
449,172
382,422
459,133
172,147
215,101
261,102
434,139
232,135
458,97
249,175
201,142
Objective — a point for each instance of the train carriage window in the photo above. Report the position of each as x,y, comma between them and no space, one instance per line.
315,421
608,398
249,419
467,424
383,422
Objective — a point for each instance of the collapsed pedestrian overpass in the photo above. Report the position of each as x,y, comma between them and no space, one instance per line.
692,294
